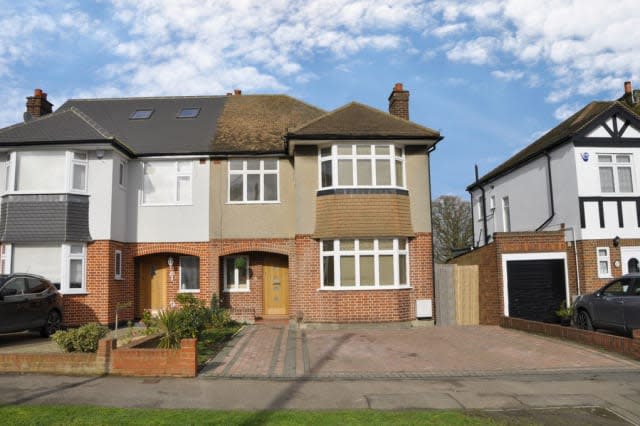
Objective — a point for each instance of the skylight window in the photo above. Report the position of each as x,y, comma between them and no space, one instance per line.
188,113
141,114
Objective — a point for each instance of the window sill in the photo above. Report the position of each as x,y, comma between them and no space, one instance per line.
404,287
340,190
118,279
73,293
252,202
237,290
189,291
605,277
166,205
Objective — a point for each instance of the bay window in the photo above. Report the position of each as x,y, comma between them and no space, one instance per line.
66,171
364,263
167,182
64,265
362,165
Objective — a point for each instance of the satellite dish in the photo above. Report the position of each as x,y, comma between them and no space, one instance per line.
27,116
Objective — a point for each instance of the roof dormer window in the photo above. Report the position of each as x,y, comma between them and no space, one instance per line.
188,113
141,114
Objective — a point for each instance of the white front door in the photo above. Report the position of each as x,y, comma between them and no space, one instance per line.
630,259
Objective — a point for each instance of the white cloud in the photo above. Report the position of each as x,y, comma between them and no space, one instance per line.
448,29
508,75
479,51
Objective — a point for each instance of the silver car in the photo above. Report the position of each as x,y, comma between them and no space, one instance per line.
615,307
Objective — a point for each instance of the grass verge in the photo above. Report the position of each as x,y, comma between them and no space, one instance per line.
84,415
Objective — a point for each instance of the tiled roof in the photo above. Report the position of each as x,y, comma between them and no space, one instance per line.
558,135
356,120
258,123
62,126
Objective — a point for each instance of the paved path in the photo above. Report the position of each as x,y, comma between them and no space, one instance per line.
282,351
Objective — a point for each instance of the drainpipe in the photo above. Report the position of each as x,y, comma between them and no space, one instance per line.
553,210
484,209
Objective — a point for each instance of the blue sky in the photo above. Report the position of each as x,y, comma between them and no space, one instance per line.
491,76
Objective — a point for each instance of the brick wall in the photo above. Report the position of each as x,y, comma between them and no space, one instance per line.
623,345
489,261
587,257
104,292
315,305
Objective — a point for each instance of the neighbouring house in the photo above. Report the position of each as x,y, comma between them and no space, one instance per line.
277,208
562,216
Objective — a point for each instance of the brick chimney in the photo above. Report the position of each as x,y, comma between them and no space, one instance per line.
38,105
628,93
399,102
237,92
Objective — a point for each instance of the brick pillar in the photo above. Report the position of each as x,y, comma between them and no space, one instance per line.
103,355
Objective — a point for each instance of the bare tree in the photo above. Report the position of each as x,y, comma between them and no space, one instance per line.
452,227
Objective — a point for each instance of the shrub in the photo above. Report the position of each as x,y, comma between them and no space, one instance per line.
220,316
82,339
169,323
192,316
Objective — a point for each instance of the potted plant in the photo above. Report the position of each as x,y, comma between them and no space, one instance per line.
565,313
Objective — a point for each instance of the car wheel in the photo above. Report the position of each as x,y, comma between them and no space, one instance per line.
583,321
53,323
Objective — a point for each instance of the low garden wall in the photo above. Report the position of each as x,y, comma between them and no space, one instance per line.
623,345
130,360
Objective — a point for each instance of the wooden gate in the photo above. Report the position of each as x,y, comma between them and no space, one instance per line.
457,295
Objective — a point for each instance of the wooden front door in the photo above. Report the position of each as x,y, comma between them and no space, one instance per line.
275,274
153,272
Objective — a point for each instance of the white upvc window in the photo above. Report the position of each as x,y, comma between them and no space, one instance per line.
5,259
506,215
66,171
236,273
604,263
616,173
253,181
64,265
362,166
79,165
349,264
189,274
122,174
480,207
117,268
167,182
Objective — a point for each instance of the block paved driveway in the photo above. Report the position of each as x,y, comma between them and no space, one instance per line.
284,351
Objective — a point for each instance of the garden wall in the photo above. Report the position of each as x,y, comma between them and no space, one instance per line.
623,345
126,361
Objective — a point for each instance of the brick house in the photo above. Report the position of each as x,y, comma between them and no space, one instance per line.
562,216
277,208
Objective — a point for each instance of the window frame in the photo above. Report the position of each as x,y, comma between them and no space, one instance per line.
334,157
604,258
117,266
122,174
357,253
188,290
236,284
178,174
615,167
65,187
244,172
506,214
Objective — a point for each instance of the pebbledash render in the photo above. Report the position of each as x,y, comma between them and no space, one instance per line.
273,207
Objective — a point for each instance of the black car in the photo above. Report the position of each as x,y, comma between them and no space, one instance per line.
29,302
615,307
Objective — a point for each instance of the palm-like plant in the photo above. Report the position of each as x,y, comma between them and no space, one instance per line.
169,323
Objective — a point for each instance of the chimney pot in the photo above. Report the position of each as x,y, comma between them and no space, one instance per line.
229,93
237,92
38,105
399,102
627,87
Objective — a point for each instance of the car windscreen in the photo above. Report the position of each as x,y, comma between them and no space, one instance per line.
3,279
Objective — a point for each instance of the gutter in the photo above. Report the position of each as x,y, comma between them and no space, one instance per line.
484,208
550,179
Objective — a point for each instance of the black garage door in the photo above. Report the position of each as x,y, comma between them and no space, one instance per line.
536,288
